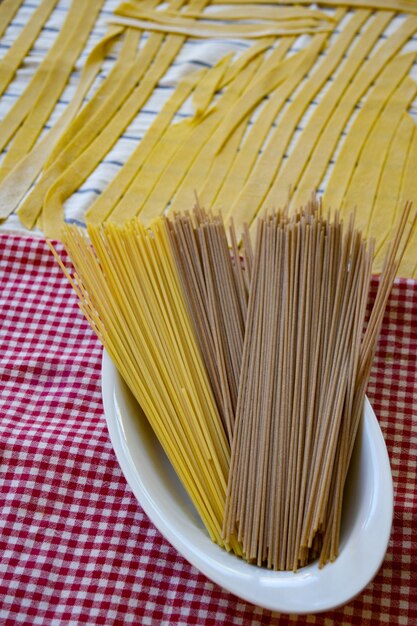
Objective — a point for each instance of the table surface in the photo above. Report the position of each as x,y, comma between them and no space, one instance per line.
76,546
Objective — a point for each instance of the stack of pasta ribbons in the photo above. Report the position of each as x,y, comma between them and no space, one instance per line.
250,363
251,104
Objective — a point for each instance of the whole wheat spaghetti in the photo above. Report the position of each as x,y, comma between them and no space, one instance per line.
251,365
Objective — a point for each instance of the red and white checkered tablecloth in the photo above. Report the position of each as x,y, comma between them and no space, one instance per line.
75,546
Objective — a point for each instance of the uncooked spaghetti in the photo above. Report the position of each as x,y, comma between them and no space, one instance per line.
251,365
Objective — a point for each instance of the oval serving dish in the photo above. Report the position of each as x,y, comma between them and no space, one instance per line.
366,525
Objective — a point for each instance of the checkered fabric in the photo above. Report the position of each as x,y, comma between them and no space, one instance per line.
75,546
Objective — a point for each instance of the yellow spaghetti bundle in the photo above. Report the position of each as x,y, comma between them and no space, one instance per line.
130,293
250,365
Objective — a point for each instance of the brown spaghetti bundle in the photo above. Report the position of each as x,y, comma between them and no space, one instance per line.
251,365
216,291
305,317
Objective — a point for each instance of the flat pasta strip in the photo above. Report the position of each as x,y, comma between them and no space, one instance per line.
102,208
219,170
77,172
230,162
209,31
326,144
408,193
292,169
388,204
365,180
148,175
47,83
54,85
84,128
158,144
247,203
123,195
107,89
353,143
24,42
262,12
246,57
403,6
176,137
8,9
205,91
18,113
128,70
175,171
274,71
18,182
249,151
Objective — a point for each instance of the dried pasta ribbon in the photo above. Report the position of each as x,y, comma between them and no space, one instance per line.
258,133
219,169
8,9
204,83
408,267
27,116
107,89
209,31
127,71
77,172
387,206
296,166
148,175
247,12
253,192
18,182
162,154
275,71
124,76
249,150
18,113
205,91
78,132
52,88
221,163
24,42
151,204
369,71
404,6
363,187
103,206
258,47
353,143
271,75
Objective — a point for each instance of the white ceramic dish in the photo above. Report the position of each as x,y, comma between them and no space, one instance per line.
366,523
